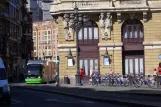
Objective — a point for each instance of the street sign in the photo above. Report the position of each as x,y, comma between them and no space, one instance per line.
159,57
57,61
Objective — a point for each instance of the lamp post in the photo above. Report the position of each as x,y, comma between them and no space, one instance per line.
76,25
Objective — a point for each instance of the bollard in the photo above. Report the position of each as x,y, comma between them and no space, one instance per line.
110,80
158,80
130,80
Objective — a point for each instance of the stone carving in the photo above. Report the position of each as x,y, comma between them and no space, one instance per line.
106,25
145,17
132,15
131,3
68,22
71,30
119,18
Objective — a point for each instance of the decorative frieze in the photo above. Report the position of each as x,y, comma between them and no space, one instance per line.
127,2
105,25
86,3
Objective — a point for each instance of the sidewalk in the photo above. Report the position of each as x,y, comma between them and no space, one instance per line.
103,94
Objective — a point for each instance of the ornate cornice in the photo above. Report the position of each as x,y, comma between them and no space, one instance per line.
67,6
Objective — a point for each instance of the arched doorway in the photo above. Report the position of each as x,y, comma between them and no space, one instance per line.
88,38
133,49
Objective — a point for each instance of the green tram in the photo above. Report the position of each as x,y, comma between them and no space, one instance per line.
37,72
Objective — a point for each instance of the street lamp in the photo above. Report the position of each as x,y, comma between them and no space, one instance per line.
76,26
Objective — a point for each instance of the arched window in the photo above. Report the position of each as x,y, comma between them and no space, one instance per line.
132,31
88,33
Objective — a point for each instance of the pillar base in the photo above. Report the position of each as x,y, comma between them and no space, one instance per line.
78,80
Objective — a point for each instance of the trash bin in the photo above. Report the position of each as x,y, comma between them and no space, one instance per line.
66,80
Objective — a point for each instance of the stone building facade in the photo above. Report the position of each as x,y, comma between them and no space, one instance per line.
45,40
119,35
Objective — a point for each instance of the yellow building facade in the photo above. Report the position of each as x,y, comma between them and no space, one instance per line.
122,36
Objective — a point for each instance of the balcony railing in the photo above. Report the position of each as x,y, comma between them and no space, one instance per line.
132,40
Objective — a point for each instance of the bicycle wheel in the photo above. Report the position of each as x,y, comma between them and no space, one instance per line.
107,82
126,83
114,82
151,83
137,83
102,82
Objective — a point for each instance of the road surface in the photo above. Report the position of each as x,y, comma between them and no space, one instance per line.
27,98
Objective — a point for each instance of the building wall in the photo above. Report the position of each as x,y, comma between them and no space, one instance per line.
152,38
45,9
35,6
152,41
45,39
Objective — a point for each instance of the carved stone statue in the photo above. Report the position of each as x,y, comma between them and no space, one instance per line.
105,25
71,31
108,26
102,24
68,27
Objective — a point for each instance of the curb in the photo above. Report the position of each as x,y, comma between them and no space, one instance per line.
118,102
141,94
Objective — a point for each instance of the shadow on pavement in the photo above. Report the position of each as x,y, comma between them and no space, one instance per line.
132,96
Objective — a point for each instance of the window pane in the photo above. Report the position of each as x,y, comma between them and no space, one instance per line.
135,32
96,64
141,65
80,63
136,66
131,66
91,64
86,67
129,31
95,33
85,33
90,33
124,32
49,37
80,34
140,30
126,66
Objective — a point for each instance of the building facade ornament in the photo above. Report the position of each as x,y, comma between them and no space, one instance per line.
119,18
68,26
132,15
145,17
105,25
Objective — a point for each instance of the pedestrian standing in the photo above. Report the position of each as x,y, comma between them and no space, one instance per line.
159,72
56,76
81,75
91,75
